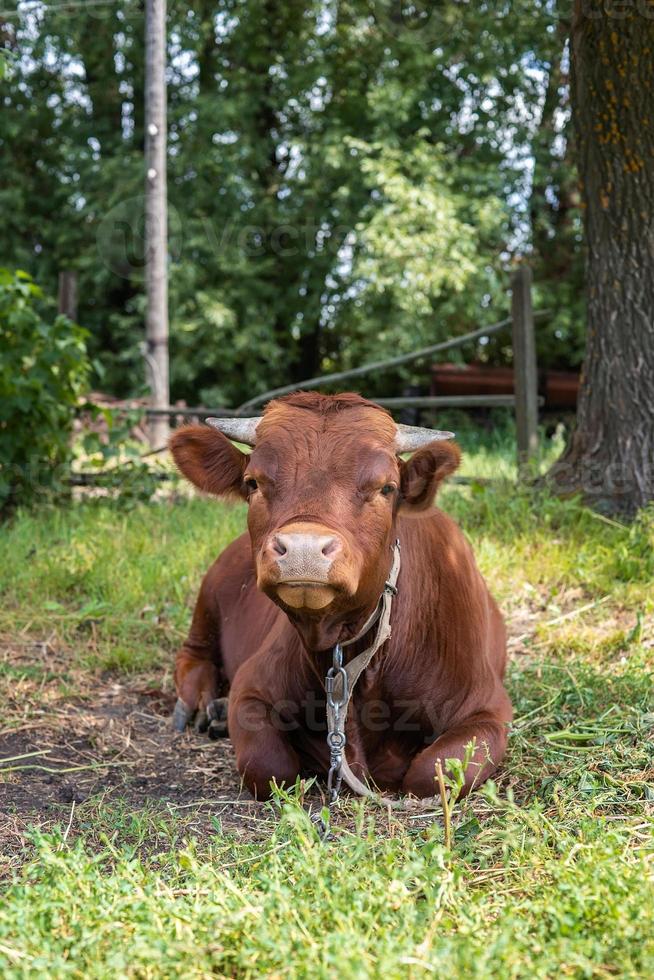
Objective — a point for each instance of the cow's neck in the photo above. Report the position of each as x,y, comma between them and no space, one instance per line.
318,635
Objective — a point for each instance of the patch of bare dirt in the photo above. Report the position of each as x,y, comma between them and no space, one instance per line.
73,742
109,741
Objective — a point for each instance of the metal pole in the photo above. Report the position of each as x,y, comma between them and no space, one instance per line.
156,216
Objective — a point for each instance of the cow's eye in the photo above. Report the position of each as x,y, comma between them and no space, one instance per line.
387,489
251,483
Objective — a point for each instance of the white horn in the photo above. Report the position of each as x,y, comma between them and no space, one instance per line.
410,437
240,430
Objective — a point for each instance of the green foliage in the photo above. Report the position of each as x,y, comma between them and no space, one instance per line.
344,181
6,58
113,460
422,249
44,371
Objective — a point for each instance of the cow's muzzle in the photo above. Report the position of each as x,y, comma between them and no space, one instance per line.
305,565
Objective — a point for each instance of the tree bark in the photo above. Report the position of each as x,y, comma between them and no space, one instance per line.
610,457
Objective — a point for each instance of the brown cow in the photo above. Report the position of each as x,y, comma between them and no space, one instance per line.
328,495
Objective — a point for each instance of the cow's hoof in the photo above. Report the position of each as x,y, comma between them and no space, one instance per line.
182,715
201,723
217,715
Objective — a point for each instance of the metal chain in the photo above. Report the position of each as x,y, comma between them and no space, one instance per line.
336,739
337,702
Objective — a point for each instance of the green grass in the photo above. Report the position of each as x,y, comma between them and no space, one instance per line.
551,870
132,575
525,895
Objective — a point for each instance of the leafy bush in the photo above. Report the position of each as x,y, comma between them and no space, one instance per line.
111,460
44,369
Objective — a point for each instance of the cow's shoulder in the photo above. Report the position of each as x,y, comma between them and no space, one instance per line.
433,536
230,576
440,573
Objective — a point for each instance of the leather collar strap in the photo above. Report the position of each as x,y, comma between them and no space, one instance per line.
341,681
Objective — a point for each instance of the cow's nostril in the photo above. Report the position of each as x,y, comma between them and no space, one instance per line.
331,547
278,547
311,551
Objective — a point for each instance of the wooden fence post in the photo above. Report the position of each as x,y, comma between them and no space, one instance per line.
67,300
524,369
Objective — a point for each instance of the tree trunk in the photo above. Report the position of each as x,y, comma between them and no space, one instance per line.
610,457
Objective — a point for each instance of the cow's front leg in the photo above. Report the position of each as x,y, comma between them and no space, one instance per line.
199,674
198,681
260,739
489,734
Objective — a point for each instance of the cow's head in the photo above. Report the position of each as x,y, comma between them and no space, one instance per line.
324,484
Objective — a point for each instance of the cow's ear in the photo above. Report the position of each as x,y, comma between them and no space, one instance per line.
423,473
209,460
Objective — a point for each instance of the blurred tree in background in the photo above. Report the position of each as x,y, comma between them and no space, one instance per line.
347,180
